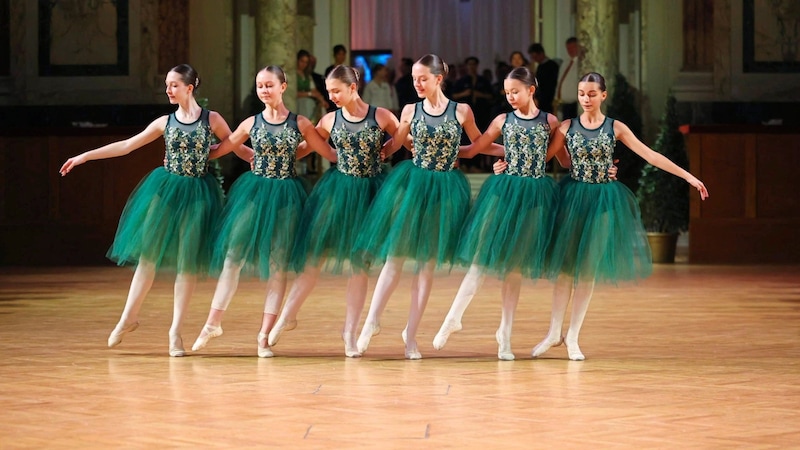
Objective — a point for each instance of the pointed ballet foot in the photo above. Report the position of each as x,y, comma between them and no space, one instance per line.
176,346
115,338
350,346
503,346
280,327
404,334
574,352
209,332
367,332
263,352
448,327
545,345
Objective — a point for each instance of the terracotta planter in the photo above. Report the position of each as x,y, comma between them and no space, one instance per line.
662,246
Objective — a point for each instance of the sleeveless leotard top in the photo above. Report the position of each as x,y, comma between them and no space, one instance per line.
592,151
525,142
275,147
187,145
436,138
358,144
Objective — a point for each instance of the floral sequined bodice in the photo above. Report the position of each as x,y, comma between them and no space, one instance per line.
436,138
591,151
358,145
525,142
187,145
275,147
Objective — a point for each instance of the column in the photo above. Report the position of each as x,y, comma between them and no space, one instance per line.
305,27
598,35
276,40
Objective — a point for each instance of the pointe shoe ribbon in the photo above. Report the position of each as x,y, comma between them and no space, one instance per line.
209,332
115,338
280,327
263,352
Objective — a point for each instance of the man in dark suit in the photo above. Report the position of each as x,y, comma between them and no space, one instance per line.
546,75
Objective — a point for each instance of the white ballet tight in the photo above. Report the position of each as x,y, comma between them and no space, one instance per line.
226,288
581,294
388,279
140,285
301,288
469,287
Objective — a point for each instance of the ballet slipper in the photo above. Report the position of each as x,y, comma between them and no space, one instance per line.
367,332
412,353
176,345
545,345
503,346
573,351
209,332
280,326
448,327
350,346
263,352
115,338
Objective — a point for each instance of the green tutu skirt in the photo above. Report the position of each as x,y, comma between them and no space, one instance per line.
168,221
332,217
418,214
259,223
509,228
599,234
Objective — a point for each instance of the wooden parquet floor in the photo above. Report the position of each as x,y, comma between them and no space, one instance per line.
693,357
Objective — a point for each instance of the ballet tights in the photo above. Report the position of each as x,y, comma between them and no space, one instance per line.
581,295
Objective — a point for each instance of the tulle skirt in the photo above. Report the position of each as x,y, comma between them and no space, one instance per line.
259,223
509,228
332,218
168,221
599,234
418,215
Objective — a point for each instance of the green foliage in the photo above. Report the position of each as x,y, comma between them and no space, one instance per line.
663,197
624,106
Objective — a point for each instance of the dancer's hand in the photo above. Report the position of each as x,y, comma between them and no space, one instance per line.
500,166
697,184
71,164
612,171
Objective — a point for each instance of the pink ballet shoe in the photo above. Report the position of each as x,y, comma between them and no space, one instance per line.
115,338
280,326
263,352
209,332
503,347
448,327
367,332
545,345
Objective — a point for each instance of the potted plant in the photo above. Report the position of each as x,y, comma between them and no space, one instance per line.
663,197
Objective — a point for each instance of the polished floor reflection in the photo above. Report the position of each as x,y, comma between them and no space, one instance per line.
699,356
